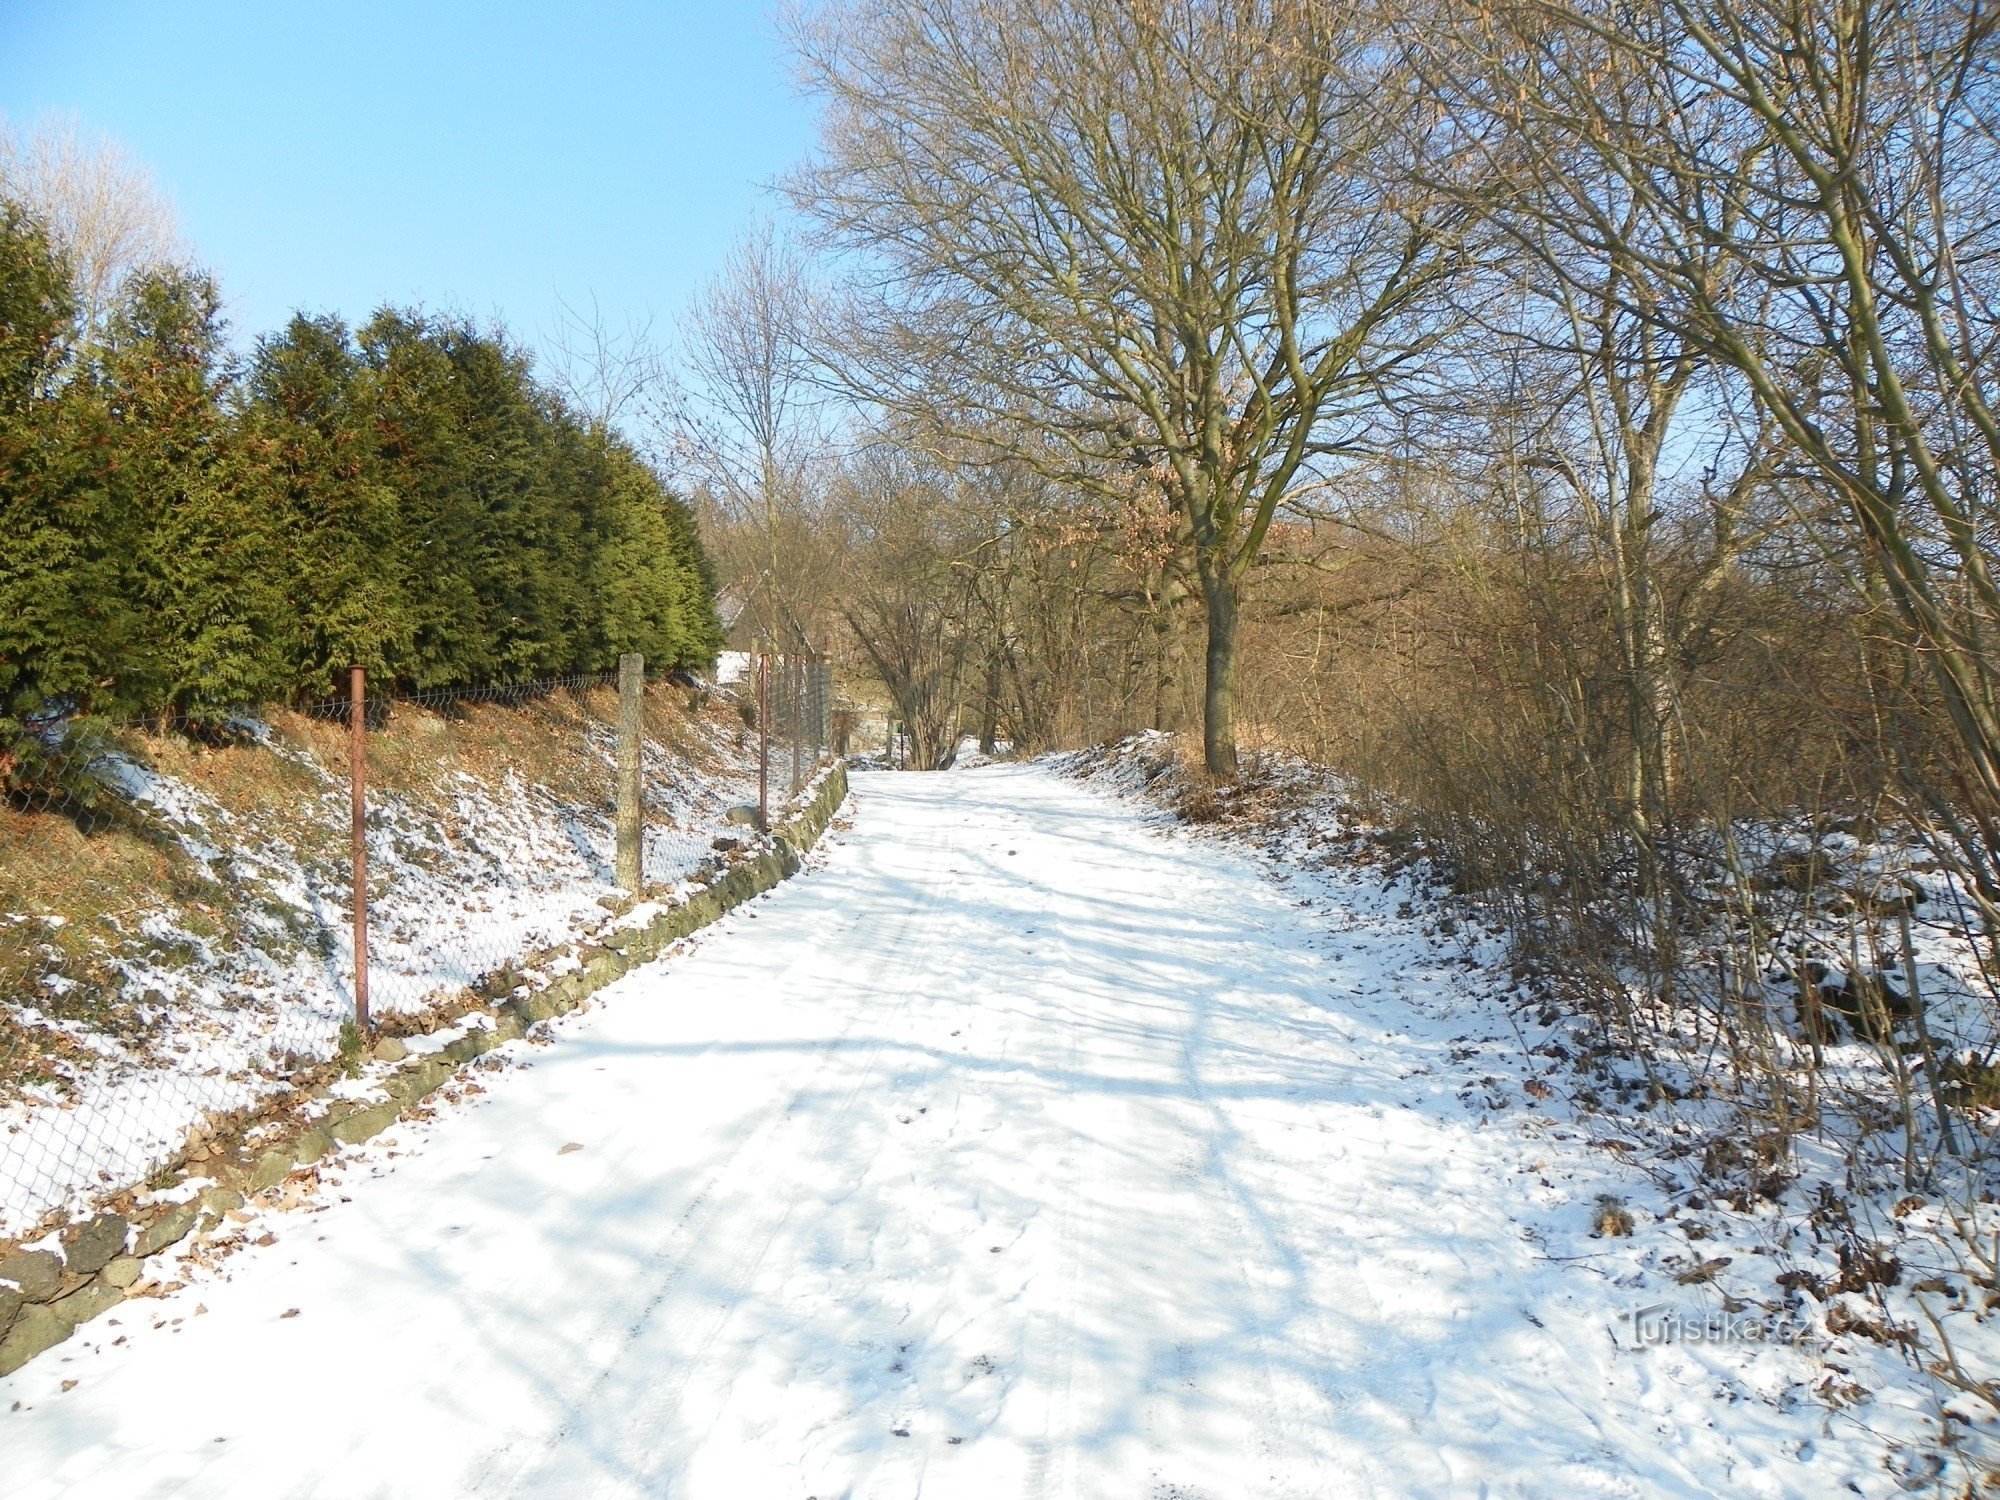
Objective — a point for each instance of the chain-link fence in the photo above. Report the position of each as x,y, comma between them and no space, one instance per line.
795,704
177,931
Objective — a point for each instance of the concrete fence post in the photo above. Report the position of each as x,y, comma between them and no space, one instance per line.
763,738
631,804
795,706
357,780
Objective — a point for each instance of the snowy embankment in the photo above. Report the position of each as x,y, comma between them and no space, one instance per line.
1829,1285
145,1011
1028,1146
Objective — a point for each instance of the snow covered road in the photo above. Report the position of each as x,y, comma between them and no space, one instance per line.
1021,1149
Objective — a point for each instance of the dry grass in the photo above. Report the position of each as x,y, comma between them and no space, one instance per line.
73,889
1610,1219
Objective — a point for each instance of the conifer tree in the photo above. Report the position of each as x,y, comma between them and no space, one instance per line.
430,461
188,537
205,571
335,523
69,635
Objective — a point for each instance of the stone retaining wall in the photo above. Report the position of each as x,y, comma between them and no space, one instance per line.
45,1294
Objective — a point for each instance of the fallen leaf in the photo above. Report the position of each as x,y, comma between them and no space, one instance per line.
1703,1272
572,1146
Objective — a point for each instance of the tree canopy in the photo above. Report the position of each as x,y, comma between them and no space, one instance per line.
192,533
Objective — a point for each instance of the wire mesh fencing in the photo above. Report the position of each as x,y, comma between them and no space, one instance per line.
177,915
795,717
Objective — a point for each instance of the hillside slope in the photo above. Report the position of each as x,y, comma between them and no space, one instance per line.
181,948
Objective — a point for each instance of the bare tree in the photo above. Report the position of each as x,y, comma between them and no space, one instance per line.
101,207
748,433
908,593
1805,194
1144,245
1598,431
610,375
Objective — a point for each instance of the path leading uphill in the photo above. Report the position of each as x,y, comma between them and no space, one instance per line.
1022,1149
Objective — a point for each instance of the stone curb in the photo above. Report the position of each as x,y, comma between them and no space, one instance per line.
45,1295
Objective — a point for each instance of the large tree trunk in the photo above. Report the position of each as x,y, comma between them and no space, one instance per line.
989,713
1218,717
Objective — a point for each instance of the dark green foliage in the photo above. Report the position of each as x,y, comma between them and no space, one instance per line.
206,567
68,623
432,462
659,590
542,546
339,528
184,537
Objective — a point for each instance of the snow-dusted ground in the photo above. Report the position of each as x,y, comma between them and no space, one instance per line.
1020,1149
513,868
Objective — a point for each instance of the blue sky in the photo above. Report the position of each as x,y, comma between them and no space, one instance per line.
475,156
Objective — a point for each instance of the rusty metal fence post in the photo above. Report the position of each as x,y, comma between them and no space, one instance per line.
631,810
357,776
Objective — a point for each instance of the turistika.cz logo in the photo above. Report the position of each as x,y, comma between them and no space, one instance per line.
1663,1323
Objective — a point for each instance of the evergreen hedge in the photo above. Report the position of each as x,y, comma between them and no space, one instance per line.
187,534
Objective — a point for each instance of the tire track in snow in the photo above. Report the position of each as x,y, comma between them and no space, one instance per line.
1051,1467
889,948
893,949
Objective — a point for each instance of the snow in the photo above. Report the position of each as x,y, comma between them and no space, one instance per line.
967,756
1022,1147
514,870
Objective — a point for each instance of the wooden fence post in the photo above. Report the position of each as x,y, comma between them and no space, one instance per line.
357,778
631,806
